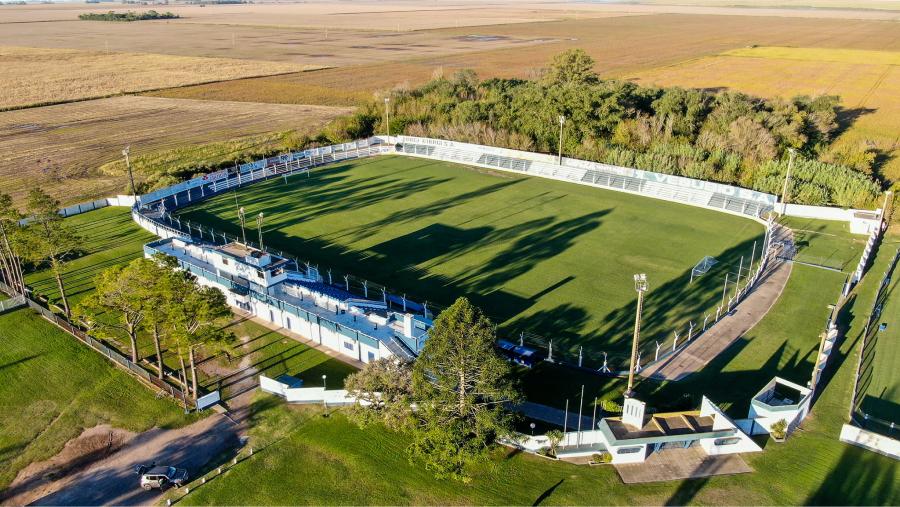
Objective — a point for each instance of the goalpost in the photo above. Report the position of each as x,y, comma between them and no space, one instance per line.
702,267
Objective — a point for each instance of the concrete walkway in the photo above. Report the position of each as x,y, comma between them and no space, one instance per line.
747,314
679,464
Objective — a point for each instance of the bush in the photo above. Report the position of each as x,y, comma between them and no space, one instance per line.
779,430
601,458
126,16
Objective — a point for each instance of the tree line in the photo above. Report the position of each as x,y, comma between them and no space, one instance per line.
126,16
146,299
727,137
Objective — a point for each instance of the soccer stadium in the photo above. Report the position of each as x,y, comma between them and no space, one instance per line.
550,260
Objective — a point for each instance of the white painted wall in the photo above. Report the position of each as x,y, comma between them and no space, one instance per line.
871,441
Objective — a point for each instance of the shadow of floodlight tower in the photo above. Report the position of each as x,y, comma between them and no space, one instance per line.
640,286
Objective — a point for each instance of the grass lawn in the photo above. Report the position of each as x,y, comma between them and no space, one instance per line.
368,466
547,257
826,243
879,380
110,237
52,387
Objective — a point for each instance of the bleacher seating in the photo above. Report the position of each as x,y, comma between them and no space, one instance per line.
599,175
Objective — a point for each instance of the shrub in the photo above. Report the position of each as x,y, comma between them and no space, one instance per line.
601,458
779,430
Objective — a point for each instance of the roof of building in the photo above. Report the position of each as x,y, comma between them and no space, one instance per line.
662,427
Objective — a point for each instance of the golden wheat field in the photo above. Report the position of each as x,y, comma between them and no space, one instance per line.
40,76
867,82
60,147
620,46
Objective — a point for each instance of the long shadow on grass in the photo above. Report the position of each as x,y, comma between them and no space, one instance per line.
860,477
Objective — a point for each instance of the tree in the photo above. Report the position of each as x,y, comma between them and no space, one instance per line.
555,437
460,386
121,301
572,67
384,390
48,238
159,295
195,319
10,247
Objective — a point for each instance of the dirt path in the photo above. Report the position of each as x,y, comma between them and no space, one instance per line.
111,480
747,314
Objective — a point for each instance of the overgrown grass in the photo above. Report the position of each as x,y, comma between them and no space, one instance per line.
52,387
540,256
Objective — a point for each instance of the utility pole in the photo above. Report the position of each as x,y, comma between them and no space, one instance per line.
130,174
259,225
562,120
640,285
242,217
787,178
387,116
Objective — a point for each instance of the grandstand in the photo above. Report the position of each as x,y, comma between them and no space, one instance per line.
660,186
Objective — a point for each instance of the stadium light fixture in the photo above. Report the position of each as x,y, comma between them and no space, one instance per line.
562,121
125,152
640,286
787,178
242,216
259,226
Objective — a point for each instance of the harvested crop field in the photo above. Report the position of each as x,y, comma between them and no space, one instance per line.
621,46
41,76
60,147
866,81
320,46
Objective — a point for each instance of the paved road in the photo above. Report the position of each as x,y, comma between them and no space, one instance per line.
112,481
720,336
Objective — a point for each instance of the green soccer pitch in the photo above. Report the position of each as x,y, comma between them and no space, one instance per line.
551,258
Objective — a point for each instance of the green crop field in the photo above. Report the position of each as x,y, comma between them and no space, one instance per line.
60,387
551,258
879,380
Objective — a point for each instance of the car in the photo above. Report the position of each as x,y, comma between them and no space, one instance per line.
154,476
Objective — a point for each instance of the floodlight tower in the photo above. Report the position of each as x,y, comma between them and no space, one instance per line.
387,116
128,166
787,178
562,120
242,217
640,286
259,223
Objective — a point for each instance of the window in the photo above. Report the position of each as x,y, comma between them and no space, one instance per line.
371,356
727,441
288,319
224,261
629,450
348,345
259,274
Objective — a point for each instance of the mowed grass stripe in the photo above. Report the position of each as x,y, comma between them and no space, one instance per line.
548,257
111,238
881,398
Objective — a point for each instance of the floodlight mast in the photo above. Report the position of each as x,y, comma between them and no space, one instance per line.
243,217
787,178
387,116
562,120
259,225
640,286
125,152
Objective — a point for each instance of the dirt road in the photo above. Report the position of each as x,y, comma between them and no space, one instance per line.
111,481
